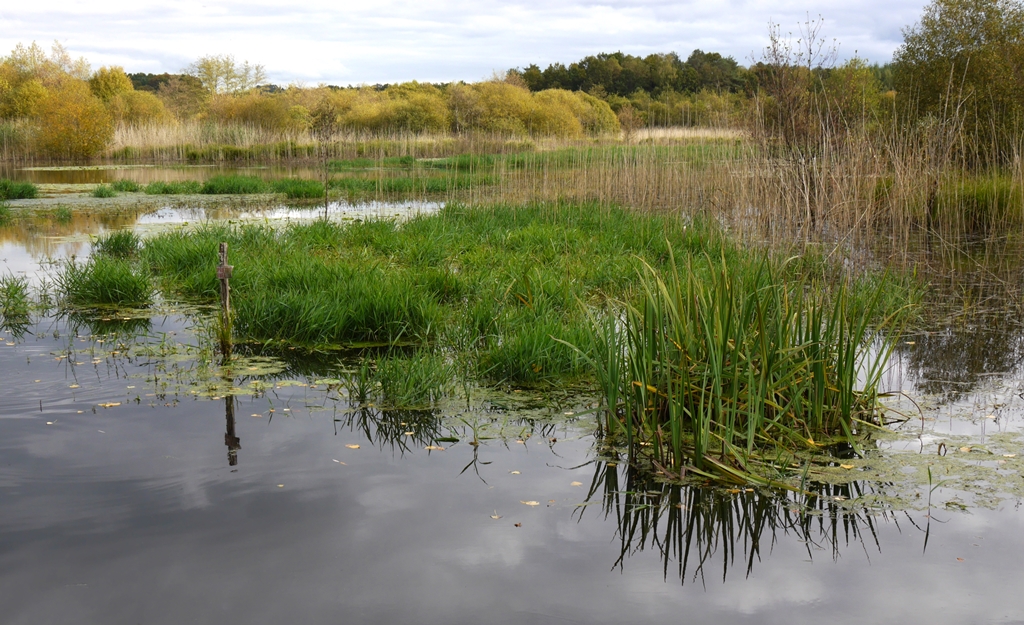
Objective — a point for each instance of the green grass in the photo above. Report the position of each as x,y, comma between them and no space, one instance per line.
103,280
235,185
62,214
722,364
104,191
187,187
17,190
708,354
126,186
15,304
6,214
118,244
298,188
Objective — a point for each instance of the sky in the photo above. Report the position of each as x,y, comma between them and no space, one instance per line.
380,41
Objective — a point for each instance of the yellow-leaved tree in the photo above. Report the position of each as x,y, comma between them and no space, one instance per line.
72,123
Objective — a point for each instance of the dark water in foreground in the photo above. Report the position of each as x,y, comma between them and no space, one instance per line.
150,511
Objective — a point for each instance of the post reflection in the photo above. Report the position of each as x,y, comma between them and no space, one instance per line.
704,531
231,439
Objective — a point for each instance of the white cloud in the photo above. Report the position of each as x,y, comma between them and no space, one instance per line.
393,40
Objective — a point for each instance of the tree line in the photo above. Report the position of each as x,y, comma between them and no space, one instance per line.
960,65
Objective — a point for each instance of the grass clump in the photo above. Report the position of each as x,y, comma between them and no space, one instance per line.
6,214
126,186
186,187
62,214
103,280
15,304
298,188
118,244
720,366
104,191
234,185
17,190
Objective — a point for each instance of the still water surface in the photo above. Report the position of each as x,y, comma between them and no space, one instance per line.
126,498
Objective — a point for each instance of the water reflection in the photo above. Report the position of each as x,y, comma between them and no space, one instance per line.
702,531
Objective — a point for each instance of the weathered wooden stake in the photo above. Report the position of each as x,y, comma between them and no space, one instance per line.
224,274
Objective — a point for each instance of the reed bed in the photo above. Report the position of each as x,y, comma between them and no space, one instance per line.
724,366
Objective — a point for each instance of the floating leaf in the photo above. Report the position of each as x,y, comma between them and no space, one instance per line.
576,484
74,386
352,446
846,466
514,472
530,503
1009,455
110,404
519,524
280,485
410,433
495,516
959,559
338,461
433,448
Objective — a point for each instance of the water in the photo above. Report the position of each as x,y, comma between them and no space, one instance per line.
132,491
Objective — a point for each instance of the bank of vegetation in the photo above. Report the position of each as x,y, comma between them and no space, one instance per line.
710,357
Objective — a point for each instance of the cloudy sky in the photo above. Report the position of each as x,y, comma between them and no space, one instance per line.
346,42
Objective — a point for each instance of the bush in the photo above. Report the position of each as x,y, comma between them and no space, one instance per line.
17,190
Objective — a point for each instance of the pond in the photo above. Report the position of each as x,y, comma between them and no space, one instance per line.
144,482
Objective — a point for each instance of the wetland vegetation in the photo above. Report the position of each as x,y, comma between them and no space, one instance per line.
728,293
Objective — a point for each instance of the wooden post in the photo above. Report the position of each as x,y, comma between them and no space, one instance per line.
224,274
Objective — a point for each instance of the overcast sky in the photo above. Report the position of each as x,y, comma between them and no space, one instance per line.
371,41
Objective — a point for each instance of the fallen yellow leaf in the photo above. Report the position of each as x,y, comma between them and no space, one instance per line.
531,503
73,386
514,472
352,446
110,404
1009,455
433,448
495,516
576,484
846,466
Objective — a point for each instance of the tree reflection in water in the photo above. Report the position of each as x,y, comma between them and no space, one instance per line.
698,529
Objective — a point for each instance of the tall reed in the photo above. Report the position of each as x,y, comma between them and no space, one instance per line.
720,365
